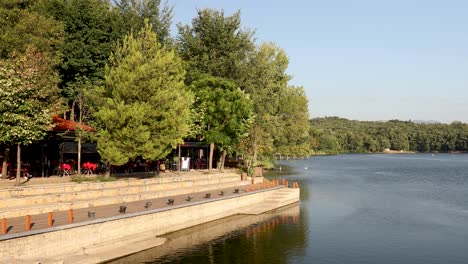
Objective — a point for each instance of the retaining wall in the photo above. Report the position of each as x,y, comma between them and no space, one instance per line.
66,240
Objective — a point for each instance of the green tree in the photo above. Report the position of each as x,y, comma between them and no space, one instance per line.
89,37
28,99
266,82
216,44
294,126
20,26
133,13
143,106
227,113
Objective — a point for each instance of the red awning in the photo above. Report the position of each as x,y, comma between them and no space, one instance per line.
60,124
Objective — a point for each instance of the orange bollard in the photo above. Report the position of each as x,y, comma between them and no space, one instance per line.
50,220
70,216
4,226
28,222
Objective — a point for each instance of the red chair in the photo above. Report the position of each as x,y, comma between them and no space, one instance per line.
66,169
89,167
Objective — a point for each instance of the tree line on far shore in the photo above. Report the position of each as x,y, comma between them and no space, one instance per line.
338,135
115,65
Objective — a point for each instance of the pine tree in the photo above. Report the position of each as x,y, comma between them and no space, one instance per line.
143,106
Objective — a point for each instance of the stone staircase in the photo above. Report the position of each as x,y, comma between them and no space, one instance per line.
277,199
33,200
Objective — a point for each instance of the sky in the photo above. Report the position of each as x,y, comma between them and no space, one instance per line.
364,59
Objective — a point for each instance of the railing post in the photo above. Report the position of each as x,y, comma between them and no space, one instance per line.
4,226
50,220
28,222
70,216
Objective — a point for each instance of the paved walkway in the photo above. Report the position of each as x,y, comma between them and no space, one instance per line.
18,224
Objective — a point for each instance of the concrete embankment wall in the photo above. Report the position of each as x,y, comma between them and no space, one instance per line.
60,243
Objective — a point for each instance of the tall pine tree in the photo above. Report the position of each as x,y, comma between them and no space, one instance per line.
144,106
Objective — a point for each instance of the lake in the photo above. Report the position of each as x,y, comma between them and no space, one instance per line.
408,208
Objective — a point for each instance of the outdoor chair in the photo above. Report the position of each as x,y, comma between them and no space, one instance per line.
66,169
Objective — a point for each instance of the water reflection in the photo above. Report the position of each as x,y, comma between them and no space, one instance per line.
274,237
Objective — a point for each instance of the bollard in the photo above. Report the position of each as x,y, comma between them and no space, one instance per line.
4,226
91,214
28,222
50,219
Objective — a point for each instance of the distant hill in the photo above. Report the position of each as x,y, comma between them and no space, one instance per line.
426,122
335,134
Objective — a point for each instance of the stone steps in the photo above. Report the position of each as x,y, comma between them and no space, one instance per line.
117,199
88,186
279,198
91,193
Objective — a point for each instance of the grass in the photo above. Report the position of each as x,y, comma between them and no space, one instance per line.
99,178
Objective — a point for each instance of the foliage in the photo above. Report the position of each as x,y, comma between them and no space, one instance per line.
20,26
28,97
227,111
341,135
293,137
266,85
88,38
216,45
99,178
133,13
143,106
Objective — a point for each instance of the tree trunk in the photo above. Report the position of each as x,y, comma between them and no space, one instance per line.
79,154
108,171
79,136
6,154
72,111
18,165
223,158
210,162
255,150
178,160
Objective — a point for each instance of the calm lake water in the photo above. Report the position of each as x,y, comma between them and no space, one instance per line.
410,208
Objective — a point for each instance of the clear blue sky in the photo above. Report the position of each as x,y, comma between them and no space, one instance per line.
365,59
